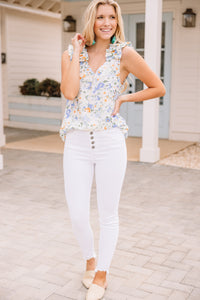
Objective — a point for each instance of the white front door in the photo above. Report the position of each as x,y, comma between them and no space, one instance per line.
132,111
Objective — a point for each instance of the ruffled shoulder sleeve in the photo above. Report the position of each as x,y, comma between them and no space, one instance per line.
124,44
83,55
116,49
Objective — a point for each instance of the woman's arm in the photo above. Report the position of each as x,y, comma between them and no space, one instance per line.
70,70
133,63
70,75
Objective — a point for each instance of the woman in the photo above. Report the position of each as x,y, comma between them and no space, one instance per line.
94,72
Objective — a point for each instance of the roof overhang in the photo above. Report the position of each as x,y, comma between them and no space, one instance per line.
50,8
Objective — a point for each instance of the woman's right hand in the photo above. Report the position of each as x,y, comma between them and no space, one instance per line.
78,42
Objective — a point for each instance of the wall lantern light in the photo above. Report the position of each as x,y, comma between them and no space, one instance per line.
3,58
189,18
69,24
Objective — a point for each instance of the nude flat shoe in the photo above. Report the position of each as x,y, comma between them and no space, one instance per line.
88,278
95,292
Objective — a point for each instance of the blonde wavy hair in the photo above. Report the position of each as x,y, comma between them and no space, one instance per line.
90,16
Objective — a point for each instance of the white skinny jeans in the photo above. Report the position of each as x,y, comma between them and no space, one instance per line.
103,153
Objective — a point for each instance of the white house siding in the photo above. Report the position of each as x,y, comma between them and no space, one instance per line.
185,77
33,48
185,84
3,66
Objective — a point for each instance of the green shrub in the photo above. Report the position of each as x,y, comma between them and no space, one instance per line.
49,87
29,87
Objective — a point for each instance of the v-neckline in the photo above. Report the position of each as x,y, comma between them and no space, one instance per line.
100,65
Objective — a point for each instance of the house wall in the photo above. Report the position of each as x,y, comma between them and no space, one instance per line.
2,136
185,83
4,66
185,76
33,47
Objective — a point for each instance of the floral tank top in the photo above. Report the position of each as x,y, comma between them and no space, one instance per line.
92,107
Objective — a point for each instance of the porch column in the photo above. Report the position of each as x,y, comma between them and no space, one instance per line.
2,136
150,152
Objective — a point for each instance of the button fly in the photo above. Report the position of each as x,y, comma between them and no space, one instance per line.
92,142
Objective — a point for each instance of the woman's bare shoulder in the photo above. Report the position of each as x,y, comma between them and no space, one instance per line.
128,52
131,58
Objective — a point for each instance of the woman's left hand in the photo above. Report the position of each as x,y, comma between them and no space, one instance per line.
118,103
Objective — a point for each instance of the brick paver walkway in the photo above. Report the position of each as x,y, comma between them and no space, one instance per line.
158,251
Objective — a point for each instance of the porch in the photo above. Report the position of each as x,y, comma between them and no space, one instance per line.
45,141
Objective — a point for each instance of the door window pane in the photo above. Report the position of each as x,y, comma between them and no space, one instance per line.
162,63
140,35
161,99
138,87
163,35
141,53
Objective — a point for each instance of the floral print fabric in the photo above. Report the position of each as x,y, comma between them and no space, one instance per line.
95,102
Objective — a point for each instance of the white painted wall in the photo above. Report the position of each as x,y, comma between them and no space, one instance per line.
4,66
33,45
2,136
185,86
